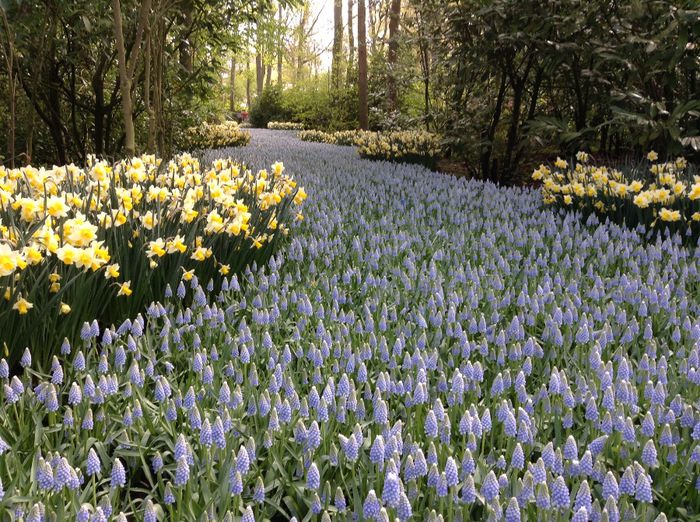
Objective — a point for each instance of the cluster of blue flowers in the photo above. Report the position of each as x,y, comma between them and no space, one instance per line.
423,348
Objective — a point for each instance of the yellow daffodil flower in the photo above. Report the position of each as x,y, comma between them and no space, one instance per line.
125,289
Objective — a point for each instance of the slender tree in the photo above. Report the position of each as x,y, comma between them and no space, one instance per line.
126,70
362,63
351,44
337,43
392,56
8,52
280,44
247,82
232,85
259,71
185,47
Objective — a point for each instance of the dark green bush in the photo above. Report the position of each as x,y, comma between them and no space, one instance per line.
269,107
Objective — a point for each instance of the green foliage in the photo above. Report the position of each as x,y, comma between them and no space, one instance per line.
268,107
309,103
613,80
69,104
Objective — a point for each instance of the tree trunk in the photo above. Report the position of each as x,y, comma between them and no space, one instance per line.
9,55
159,51
351,44
232,86
394,17
185,47
124,82
126,71
259,73
424,51
148,100
268,77
508,163
247,82
280,47
337,42
99,109
301,40
372,26
362,64
487,150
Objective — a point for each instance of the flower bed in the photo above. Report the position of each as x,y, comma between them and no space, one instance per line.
406,356
214,136
316,136
285,125
103,241
656,195
404,146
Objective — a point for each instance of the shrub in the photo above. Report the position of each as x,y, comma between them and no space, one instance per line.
214,136
268,107
317,107
656,195
285,125
101,242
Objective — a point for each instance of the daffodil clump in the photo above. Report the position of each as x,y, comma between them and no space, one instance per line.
102,241
285,125
655,194
348,137
214,136
404,146
316,136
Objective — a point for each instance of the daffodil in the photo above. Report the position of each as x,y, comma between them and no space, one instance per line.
112,271
300,196
669,215
201,253
156,248
22,306
9,260
176,244
125,289
694,192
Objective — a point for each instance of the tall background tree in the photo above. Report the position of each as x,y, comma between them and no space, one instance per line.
362,64
337,43
504,86
67,72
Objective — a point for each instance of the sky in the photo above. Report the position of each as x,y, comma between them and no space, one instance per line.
324,28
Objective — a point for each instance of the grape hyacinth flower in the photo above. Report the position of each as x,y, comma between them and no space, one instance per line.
118,475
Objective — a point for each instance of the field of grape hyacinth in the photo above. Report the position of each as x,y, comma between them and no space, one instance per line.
423,348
